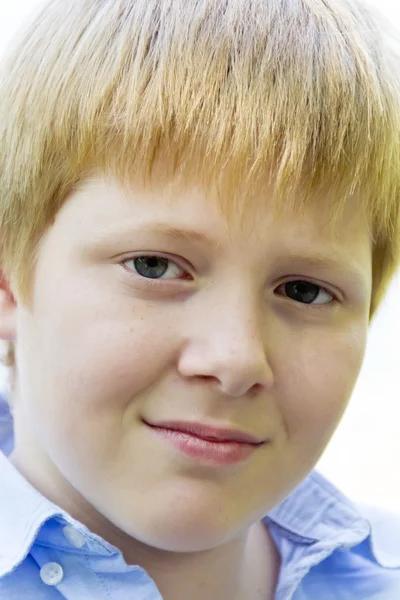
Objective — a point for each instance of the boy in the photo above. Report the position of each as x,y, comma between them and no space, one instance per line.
200,216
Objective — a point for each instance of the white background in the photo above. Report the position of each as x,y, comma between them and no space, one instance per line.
362,458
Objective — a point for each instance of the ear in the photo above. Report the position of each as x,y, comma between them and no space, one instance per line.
7,311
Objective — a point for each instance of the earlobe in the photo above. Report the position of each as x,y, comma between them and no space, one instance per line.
7,311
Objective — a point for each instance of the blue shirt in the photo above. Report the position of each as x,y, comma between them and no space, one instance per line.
330,549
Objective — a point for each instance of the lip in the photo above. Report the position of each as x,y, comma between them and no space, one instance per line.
208,451
208,432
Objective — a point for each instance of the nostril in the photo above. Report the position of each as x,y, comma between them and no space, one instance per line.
207,377
256,389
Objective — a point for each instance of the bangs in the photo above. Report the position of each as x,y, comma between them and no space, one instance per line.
234,92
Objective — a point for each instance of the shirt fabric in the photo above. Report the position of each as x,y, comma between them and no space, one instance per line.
330,549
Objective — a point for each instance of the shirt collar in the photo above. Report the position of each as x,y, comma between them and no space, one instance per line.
314,511
23,511
317,511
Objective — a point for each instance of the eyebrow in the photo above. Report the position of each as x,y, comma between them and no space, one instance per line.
184,233
176,233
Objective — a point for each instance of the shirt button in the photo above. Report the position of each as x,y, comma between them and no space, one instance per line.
51,573
74,536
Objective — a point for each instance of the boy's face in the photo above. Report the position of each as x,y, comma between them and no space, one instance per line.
213,336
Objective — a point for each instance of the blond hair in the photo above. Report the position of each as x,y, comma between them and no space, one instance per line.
232,89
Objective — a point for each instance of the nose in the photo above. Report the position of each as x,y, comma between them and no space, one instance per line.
226,346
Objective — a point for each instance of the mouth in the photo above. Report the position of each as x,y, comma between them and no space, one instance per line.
207,444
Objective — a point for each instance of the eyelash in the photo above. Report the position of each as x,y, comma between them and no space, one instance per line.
148,281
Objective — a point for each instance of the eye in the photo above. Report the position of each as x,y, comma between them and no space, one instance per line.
155,267
306,292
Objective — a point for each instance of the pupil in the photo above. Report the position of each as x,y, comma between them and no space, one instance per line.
151,267
302,291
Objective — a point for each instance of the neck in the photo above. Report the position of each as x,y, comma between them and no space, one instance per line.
245,568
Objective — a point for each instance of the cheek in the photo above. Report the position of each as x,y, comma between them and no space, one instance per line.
320,383
96,360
